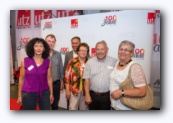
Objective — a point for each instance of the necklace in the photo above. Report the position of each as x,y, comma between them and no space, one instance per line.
121,65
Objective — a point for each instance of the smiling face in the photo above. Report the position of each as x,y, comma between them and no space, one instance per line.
38,48
125,52
74,43
82,52
101,51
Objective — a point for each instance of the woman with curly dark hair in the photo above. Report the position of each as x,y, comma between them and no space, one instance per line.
35,81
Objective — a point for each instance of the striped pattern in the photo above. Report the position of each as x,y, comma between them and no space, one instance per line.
98,73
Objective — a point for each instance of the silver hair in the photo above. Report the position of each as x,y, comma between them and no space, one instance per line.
102,42
126,42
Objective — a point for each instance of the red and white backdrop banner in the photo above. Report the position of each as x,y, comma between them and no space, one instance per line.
155,69
28,24
113,27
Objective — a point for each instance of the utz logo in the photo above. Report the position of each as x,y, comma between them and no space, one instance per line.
93,52
41,14
47,25
151,18
64,50
23,42
74,23
109,20
24,18
138,53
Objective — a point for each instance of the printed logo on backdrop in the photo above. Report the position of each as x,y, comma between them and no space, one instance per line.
64,50
23,18
139,53
156,46
109,20
74,23
41,14
66,13
47,25
93,52
23,42
151,18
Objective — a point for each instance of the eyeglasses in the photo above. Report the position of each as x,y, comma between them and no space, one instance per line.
84,51
125,50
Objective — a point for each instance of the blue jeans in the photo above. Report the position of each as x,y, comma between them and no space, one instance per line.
56,94
30,100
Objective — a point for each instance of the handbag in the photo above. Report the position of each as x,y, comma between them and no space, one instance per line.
137,103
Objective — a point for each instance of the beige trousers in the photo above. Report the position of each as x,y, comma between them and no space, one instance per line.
77,102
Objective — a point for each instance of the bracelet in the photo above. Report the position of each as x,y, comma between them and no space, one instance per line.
122,92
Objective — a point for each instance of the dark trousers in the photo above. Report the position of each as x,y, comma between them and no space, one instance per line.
30,100
100,102
56,94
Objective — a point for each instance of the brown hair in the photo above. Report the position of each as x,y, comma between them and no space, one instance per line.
51,35
84,45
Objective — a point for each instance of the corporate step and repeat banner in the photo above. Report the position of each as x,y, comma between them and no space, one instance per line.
113,27
28,23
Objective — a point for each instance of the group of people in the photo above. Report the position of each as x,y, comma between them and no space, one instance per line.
91,83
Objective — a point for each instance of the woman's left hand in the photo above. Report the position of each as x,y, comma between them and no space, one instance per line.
51,99
116,94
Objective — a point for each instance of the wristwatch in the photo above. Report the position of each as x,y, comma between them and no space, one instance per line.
122,92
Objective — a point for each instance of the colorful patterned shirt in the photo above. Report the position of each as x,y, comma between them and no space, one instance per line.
73,76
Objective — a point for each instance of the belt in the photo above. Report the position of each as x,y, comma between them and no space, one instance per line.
54,82
99,93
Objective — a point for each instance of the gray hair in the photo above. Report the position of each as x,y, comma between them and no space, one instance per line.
102,42
126,42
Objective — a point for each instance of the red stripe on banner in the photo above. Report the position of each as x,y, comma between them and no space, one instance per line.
24,18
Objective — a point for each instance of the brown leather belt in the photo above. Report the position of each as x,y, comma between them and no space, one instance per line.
99,93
